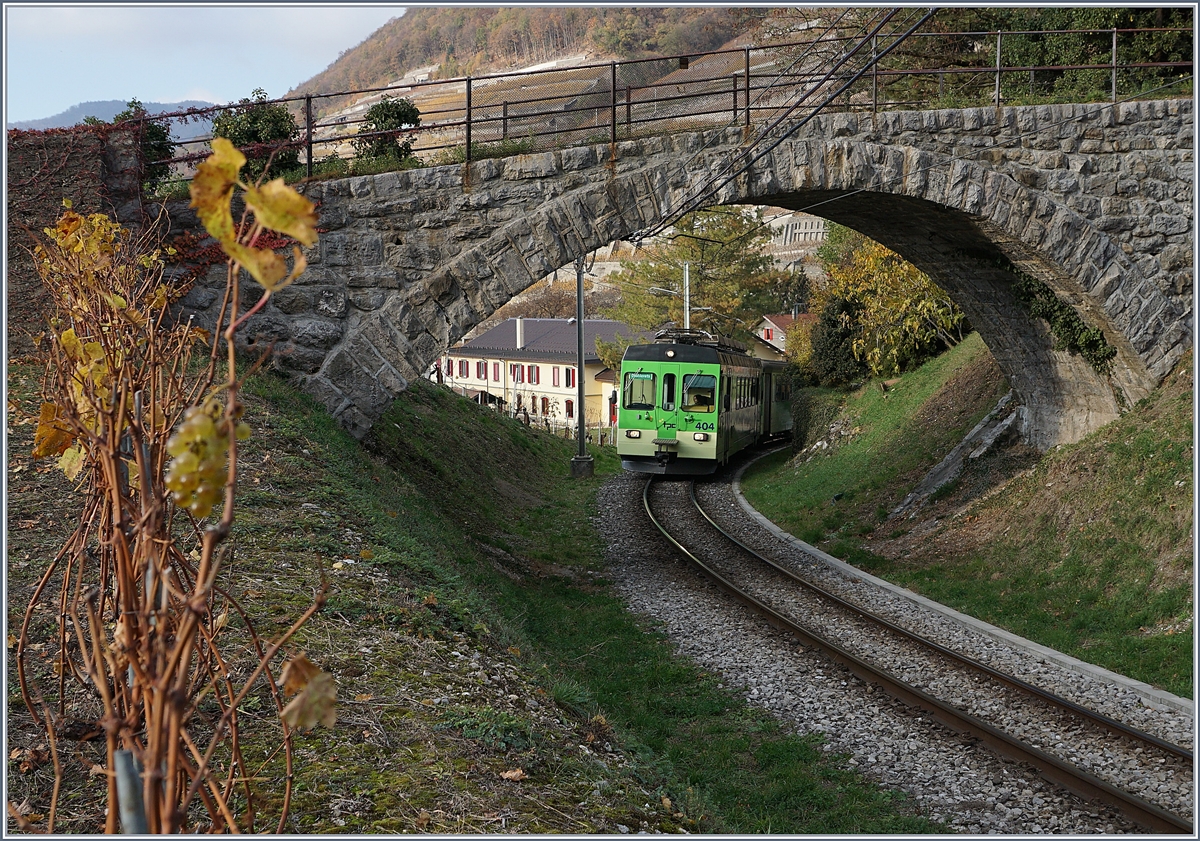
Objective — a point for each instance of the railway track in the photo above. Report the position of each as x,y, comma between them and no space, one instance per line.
1013,717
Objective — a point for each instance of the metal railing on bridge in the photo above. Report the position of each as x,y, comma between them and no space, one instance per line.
553,107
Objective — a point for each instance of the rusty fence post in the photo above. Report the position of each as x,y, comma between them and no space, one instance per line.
1114,65
612,88
468,126
998,37
747,79
308,131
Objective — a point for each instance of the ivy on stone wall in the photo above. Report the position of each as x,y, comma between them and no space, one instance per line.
1070,331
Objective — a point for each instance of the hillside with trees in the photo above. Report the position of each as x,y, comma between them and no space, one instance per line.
461,41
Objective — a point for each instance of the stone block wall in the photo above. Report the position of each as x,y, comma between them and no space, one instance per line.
1095,201
96,168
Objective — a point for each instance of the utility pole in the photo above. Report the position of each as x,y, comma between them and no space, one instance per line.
582,465
687,298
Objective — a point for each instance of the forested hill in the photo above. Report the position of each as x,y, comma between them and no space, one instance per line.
463,41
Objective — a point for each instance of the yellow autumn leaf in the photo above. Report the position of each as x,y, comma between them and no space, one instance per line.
71,345
212,189
315,704
264,265
51,437
280,208
159,299
515,774
71,462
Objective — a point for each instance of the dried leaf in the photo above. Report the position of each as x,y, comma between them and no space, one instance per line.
212,189
51,437
71,462
423,820
431,600
666,801
297,672
514,774
316,704
366,554
364,696
280,208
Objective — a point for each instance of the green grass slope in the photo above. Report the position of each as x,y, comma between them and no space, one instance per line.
1087,550
471,636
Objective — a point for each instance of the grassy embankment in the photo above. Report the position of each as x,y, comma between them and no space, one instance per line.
1087,550
470,634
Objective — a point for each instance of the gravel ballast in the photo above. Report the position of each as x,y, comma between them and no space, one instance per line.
949,779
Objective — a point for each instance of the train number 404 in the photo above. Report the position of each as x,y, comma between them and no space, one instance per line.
706,427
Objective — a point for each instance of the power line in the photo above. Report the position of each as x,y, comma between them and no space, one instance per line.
711,187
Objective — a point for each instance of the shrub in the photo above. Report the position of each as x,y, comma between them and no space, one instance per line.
387,115
833,361
260,129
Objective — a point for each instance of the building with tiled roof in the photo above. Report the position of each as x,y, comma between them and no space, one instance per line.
529,365
771,334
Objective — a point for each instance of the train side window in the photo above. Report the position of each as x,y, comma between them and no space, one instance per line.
639,390
668,394
699,392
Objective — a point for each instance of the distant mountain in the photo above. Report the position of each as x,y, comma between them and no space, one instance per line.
457,41
109,108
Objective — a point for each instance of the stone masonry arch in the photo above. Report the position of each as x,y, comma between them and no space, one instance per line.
1095,201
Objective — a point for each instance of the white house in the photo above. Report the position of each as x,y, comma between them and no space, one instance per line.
528,366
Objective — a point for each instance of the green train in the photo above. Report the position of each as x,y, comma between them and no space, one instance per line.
688,402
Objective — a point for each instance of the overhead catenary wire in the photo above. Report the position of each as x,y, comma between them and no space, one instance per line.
708,189
799,96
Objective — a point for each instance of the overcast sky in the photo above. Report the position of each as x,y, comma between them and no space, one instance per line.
57,55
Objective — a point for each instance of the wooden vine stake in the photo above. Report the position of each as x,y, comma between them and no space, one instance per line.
133,605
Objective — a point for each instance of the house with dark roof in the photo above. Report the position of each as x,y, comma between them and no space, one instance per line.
528,366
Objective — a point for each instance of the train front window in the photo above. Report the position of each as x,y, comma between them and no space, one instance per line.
639,390
699,392
668,401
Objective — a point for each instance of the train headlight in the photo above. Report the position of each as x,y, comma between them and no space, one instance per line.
700,436
633,433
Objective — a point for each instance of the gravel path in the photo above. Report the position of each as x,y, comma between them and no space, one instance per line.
962,784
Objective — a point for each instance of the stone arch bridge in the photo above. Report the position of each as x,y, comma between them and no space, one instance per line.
1094,200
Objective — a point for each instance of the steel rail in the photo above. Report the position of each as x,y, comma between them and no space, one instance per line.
1053,769
1111,724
